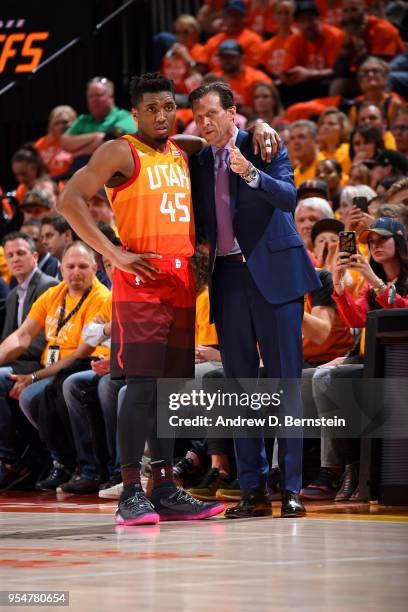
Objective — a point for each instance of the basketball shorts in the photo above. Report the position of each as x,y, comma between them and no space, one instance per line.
153,323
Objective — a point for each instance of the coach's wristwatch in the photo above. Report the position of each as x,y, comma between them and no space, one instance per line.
251,174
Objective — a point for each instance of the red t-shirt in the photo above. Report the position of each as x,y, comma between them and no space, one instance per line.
382,38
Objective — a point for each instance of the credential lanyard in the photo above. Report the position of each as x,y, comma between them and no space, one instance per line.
61,320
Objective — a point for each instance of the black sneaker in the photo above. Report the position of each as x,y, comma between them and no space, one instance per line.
273,484
324,487
181,506
134,508
58,475
79,484
187,471
11,474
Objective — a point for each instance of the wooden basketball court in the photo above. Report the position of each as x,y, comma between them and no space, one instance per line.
340,558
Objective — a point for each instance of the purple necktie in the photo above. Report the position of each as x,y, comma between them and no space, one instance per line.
225,233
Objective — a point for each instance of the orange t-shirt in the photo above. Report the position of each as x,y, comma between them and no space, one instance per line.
243,84
316,55
382,38
262,20
153,208
331,11
250,42
55,158
176,68
274,54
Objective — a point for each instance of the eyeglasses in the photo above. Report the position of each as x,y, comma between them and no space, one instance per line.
400,127
368,71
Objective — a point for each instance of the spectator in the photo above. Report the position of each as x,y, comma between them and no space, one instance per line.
104,121
49,146
386,276
61,312
81,385
180,61
359,174
352,220
234,15
210,16
398,192
46,262
56,235
30,171
373,81
310,53
313,188
303,147
240,77
274,50
266,103
329,171
388,163
395,211
21,257
370,114
333,135
367,34
325,336
261,17
399,129
36,204
366,143
307,213
100,208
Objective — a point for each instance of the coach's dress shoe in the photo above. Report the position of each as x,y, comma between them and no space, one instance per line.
291,505
251,505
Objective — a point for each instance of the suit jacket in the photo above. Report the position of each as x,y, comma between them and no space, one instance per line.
262,219
29,361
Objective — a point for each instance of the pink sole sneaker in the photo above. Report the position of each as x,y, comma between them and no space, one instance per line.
147,519
194,517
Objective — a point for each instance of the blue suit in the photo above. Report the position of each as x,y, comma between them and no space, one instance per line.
258,303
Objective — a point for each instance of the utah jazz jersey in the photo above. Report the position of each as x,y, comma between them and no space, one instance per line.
153,208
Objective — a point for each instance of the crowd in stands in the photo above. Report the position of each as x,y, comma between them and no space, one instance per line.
331,77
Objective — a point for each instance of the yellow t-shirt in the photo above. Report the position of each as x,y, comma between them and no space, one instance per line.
341,155
309,172
45,311
4,271
206,334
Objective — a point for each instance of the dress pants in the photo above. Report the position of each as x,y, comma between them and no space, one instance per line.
245,320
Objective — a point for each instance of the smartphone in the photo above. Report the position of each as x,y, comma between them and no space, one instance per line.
361,202
348,242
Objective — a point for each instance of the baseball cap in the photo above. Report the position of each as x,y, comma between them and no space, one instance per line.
235,5
230,47
326,225
35,197
389,157
315,186
384,226
306,6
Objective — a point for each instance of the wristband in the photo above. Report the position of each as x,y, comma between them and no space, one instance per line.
380,288
34,377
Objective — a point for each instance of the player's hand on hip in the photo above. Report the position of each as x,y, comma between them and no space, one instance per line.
265,141
136,263
238,163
